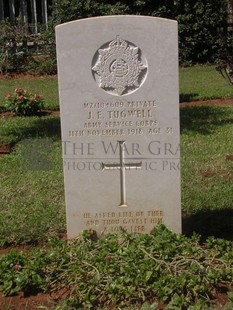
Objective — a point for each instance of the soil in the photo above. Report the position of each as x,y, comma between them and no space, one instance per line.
20,301
219,102
5,114
25,76
5,149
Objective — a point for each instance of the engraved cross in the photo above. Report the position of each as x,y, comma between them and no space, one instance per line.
122,166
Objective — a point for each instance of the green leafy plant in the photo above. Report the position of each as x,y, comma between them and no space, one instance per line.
21,273
118,270
23,103
89,235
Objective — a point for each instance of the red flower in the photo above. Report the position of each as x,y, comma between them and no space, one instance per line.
107,258
38,97
20,97
18,90
16,267
152,231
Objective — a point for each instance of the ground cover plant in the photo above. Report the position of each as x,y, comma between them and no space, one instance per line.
124,269
153,271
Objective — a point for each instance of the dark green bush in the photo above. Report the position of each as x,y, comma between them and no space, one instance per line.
68,10
203,35
203,32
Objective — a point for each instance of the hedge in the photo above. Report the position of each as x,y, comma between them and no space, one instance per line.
203,30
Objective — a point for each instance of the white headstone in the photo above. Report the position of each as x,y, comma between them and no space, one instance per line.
118,83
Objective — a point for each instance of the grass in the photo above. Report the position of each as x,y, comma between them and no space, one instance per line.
207,169
207,174
196,83
202,83
32,211
15,129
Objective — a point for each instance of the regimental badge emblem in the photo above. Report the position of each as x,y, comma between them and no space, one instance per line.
119,67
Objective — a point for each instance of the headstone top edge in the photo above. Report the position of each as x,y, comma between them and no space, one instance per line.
112,17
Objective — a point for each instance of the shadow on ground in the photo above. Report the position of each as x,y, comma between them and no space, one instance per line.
188,97
40,127
204,119
218,224
43,127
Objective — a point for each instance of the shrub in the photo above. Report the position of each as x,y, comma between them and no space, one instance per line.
203,31
203,35
43,55
24,103
16,55
13,48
